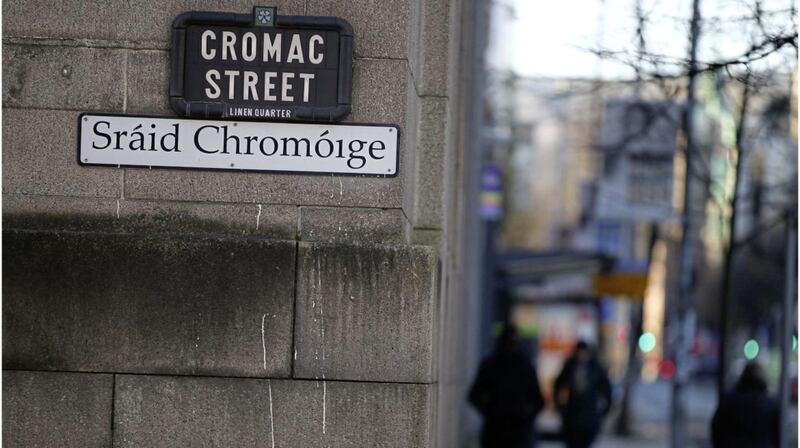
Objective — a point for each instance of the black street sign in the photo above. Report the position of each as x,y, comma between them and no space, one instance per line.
261,66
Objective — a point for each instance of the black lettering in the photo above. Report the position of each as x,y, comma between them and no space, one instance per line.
371,149
119,134
225,138
137,139
362,159
249,139
197,138
152,140
101,134
340,155
174,135
330,146
296,142
274,146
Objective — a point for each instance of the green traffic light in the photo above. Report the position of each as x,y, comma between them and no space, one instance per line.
647,342
751,349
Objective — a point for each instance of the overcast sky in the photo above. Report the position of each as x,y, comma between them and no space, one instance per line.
550,38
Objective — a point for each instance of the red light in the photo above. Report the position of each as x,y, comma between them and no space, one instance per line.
622,334
667,369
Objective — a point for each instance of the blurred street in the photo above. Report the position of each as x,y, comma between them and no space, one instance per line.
639,198
651,408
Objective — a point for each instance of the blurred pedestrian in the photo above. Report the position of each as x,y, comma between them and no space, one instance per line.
583,397
746,416
506,393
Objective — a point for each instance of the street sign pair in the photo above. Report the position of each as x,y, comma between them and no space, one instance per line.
286,79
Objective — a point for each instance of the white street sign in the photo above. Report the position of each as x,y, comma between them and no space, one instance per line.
127,140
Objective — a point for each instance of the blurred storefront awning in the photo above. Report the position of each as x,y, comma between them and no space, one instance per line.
569,276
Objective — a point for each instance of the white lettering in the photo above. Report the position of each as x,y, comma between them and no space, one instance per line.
211,77
268,86
311,44
287,87
272,48
306,77
249,46
231,74
228,40
249,84
204,51
295,50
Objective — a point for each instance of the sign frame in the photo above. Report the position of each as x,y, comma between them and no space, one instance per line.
394,174
216,110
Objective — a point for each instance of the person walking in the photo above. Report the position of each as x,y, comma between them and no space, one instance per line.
582,394
746,416
506,393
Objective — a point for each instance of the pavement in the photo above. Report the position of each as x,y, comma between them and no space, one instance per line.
651,411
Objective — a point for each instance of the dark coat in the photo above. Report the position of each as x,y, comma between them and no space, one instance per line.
583,397
506,393
746,418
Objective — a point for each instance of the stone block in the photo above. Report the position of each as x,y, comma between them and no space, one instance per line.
337,224
264,188
52,77
46,409
274,221
426,237
365,312
40,157
157,411
144,23
33,212
148,83
123,303
380,28
429,175
428,54
379,91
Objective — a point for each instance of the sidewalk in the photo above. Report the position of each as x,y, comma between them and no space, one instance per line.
609,441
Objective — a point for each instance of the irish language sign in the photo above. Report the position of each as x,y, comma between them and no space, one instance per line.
128,140
261,66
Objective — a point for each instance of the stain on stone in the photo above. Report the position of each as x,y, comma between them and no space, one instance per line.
159,221
130,303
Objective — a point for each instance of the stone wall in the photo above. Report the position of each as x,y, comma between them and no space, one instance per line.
205,308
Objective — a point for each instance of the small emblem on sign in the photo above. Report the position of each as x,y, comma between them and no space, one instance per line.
264,15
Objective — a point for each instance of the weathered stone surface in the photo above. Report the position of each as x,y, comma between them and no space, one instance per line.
34,212
274,221
53,77
40,157
46,409
428,47
220,412
380,28
336,224
148,82
116,303
144,22
426,237
365,312
264,188
379,91
429,175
